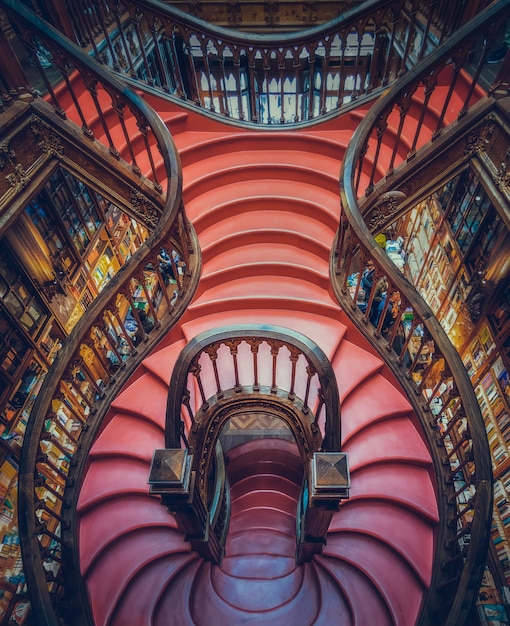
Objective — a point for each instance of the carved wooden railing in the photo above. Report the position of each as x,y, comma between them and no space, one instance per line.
115,128
262,78
219,375
395,140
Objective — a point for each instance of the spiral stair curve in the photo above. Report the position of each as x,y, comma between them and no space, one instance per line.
265,208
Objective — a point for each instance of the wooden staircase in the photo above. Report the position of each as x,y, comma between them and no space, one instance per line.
265,206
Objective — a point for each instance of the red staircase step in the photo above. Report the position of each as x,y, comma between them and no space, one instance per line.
402,483
208,609
131,514
112,573
413,541
388,572
366,603
143,596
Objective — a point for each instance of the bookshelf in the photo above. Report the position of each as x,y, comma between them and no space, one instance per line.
449,238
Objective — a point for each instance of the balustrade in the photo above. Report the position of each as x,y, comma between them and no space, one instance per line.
213,378
265,79
126,318
404,329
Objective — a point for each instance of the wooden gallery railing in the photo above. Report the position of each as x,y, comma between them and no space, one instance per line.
117,130
225,373
261,78
395,142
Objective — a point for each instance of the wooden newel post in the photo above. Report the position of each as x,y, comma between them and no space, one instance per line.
325,486
172,478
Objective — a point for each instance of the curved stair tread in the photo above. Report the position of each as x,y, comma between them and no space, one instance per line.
281,145
241,269
334,605
268,240
204,158
302,198
122,562
122,436
210,308
402,590
284,473
269,483
161,363
255,454
392,439
353,365
146,397
375,395
253,253
364,406
239,181
176,601
281,220
258,565
249,272
266,288
204,194
130,541
405,484
408,533
367,604
265,518
123,515
212,611
142,596
272,499
108,477
326,332
270,542
257,594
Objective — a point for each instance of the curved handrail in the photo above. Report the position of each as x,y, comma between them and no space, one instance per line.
75,395
222,371
81,74
318,396
443,395
253,77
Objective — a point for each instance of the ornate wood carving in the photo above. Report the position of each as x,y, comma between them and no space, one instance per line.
49,142
143,209
385,209
209,428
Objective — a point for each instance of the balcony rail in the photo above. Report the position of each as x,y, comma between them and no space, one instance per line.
284,364
261,78
84,93
125,320
406,332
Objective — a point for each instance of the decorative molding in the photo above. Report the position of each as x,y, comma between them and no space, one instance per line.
385,208
48,141
271,12
502,176
7,154
234,13
480,137
310,12
195,8
19,178
144,209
